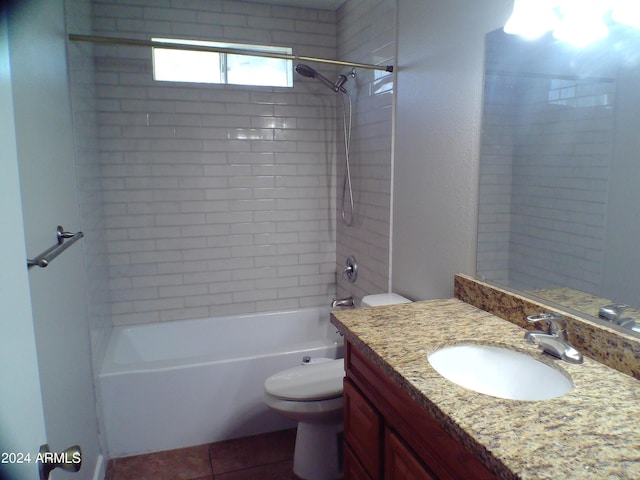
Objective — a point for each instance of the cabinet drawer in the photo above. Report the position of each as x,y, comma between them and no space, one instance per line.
363,429
400,463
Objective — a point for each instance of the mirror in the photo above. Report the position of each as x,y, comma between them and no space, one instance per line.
559,201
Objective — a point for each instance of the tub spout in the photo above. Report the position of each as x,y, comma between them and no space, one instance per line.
346,302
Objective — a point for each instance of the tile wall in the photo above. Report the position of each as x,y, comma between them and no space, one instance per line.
561,182
366,33
223,199
84,103
217,199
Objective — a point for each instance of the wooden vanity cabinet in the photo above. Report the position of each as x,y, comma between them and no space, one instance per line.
388,436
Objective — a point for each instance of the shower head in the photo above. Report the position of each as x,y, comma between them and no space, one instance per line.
307,71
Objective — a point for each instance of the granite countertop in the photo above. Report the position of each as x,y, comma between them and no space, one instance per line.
592,432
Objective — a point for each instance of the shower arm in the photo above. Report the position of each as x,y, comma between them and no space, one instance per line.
337,86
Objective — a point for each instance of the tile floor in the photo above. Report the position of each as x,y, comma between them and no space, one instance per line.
267,456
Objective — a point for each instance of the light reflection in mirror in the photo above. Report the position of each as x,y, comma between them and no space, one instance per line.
559,170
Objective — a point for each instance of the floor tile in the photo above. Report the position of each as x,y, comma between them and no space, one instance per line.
249,452
181,464
273,471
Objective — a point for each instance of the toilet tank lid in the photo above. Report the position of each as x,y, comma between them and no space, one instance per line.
383,299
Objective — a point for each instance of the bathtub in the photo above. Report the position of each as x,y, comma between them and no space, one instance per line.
183,383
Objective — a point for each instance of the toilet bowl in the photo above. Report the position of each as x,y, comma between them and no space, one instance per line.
311,394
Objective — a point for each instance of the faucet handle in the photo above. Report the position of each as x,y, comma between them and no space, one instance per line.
350,269
556,323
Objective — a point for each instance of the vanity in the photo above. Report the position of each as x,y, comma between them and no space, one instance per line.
388,435
404,420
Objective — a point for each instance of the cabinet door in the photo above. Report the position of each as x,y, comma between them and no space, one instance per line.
362,429
400,462
353,470
429,442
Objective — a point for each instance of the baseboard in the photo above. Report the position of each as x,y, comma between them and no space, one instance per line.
101,468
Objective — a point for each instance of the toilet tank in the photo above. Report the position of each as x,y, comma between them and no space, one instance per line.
383,299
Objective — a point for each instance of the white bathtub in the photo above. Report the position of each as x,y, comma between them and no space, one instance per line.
176,384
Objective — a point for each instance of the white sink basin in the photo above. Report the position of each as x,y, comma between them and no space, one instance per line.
499,372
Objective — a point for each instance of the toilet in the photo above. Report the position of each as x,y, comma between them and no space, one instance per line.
311,394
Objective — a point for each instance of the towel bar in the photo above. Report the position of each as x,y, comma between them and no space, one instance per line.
65,240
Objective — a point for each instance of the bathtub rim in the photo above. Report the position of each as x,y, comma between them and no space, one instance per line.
110,367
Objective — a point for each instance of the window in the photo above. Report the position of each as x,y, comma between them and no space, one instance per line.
583,93
171,65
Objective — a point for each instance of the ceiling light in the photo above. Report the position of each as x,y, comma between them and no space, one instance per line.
582,22
532,18
627,12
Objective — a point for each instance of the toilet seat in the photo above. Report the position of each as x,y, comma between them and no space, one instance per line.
306,383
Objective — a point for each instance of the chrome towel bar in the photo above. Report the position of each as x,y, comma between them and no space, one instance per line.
65,240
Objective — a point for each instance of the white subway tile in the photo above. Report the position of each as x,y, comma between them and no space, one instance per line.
254,295
207,300
158,305
184,313
208,277
242,169
279,282
206,253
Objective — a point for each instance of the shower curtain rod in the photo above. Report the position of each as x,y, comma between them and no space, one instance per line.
203,48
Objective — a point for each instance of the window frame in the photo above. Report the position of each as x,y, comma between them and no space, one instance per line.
223,59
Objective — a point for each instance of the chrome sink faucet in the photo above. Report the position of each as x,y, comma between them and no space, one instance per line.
613,313
554,340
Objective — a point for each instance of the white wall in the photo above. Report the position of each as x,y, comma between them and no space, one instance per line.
496,164
439,101
44,140
22,428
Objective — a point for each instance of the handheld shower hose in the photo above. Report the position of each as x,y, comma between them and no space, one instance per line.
337,86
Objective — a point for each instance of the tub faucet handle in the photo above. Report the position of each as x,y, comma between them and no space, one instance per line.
350,269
